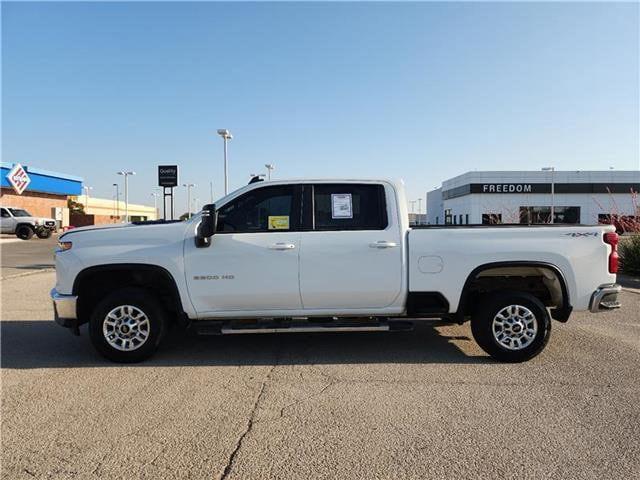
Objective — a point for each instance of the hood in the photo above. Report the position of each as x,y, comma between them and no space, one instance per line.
126,230
95,227
35,220
155,243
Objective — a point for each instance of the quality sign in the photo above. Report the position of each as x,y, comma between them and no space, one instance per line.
168,175
18,178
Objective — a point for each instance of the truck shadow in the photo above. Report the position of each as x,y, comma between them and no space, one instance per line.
629,281
35,266
43,344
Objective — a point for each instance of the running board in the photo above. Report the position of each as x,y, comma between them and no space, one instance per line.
309,329
217,328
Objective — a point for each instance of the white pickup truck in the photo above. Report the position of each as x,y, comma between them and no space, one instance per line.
25,225
328,255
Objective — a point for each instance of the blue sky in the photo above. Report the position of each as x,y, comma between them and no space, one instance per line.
419,91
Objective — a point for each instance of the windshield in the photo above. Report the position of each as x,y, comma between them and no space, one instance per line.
195,216
18,212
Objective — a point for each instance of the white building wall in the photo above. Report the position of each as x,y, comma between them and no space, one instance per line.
591,205
508,205
435,207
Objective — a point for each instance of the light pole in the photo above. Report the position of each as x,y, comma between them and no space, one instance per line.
195,204
155,196
116,211
270,166
86,197
553,191
188,185
226,135
126,175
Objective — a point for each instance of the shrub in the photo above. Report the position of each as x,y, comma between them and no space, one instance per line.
630,254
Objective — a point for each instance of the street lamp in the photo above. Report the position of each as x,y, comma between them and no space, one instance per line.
226,135
116,210
86,197
126,175
155,196
270,166
553,191
189,185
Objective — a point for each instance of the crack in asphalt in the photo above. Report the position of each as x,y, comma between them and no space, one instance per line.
227,468
250,421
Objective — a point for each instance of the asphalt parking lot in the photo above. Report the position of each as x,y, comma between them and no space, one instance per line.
26,256
421,404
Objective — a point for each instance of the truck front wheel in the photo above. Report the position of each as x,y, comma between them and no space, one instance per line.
43,232
128,325
511,326
24,232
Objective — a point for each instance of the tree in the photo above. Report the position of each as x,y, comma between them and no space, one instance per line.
75,207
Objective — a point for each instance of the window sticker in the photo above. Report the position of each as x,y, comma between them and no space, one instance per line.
341,205
278,222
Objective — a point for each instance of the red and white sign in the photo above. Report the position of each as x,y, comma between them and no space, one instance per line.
18,178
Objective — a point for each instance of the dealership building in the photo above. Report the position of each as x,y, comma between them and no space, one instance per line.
44,193
586,197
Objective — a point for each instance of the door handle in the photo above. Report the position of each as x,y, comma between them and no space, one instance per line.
383,244
282,246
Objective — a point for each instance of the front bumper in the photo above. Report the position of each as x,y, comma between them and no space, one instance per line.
64,308
605,298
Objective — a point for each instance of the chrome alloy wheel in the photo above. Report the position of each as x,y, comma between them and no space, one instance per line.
126,328
514,327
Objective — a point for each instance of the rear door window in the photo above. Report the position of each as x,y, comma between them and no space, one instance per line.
347,206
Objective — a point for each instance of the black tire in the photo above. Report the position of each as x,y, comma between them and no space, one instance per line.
43,233
24,232
142,300
523,345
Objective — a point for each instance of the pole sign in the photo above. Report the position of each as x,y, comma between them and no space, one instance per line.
18,178
168,175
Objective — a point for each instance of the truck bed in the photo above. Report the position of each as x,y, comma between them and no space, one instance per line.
439,253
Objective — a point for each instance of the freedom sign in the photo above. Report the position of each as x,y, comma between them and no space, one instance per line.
18,178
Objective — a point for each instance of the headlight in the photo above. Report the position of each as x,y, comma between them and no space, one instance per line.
64,246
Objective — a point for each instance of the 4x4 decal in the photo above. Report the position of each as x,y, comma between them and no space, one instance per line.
582,234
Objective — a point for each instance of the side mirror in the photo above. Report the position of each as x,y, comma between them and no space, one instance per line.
207,227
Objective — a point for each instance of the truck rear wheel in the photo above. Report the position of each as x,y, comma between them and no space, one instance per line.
128,325
511,326
24,232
